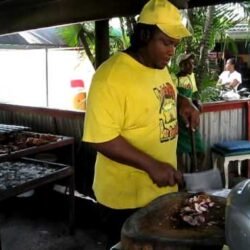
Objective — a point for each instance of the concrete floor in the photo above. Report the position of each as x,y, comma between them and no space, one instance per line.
40,222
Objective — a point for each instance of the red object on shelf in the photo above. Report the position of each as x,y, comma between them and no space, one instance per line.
77,83
79,94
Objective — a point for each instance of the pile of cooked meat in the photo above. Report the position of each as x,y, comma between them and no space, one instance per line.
195,210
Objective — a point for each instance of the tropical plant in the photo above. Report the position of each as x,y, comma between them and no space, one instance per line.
210,94
209,25
82,35
202,67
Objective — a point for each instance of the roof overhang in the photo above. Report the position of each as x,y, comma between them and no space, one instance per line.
20,15
240,31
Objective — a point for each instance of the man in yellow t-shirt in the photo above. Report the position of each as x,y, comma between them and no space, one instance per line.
131,118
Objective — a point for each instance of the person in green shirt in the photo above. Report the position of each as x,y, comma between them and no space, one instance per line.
186,86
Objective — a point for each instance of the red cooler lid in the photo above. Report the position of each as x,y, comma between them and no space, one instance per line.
76,83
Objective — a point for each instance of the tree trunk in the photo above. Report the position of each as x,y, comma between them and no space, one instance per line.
85,44
130,23
122,23
202,68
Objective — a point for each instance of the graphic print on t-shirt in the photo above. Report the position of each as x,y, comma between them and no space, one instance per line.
185,83
167,112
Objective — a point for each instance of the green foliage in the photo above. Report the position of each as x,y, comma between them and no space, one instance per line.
83,34
79,35
69,34
230,45
118,40
210,94
224,17
208,81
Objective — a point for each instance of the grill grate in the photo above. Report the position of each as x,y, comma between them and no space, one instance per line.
8,129
13,174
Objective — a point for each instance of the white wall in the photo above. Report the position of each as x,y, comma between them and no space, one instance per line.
23,76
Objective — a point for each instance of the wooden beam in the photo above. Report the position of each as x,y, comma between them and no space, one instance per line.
70,114
20,15
219,106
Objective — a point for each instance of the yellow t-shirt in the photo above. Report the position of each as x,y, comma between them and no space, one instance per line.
138,103
186,82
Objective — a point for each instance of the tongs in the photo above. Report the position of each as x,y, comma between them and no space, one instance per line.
194,162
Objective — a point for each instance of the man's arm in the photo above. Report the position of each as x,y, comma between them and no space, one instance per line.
188,112
118,149
233,83
196,101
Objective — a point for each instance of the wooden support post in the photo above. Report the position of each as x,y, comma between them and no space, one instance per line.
101,41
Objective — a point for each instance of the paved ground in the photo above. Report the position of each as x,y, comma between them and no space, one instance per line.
40,223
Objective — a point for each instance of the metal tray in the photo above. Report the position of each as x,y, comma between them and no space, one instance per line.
25,174
8,129
15,148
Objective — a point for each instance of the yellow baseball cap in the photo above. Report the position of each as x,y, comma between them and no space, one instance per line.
165,16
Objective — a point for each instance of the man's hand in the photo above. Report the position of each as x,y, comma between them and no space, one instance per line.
188,112
198,105
163,174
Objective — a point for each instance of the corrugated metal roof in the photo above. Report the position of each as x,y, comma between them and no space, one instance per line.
239,31
46,37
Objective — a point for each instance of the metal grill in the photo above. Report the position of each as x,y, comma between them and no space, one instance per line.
8,129
13,174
